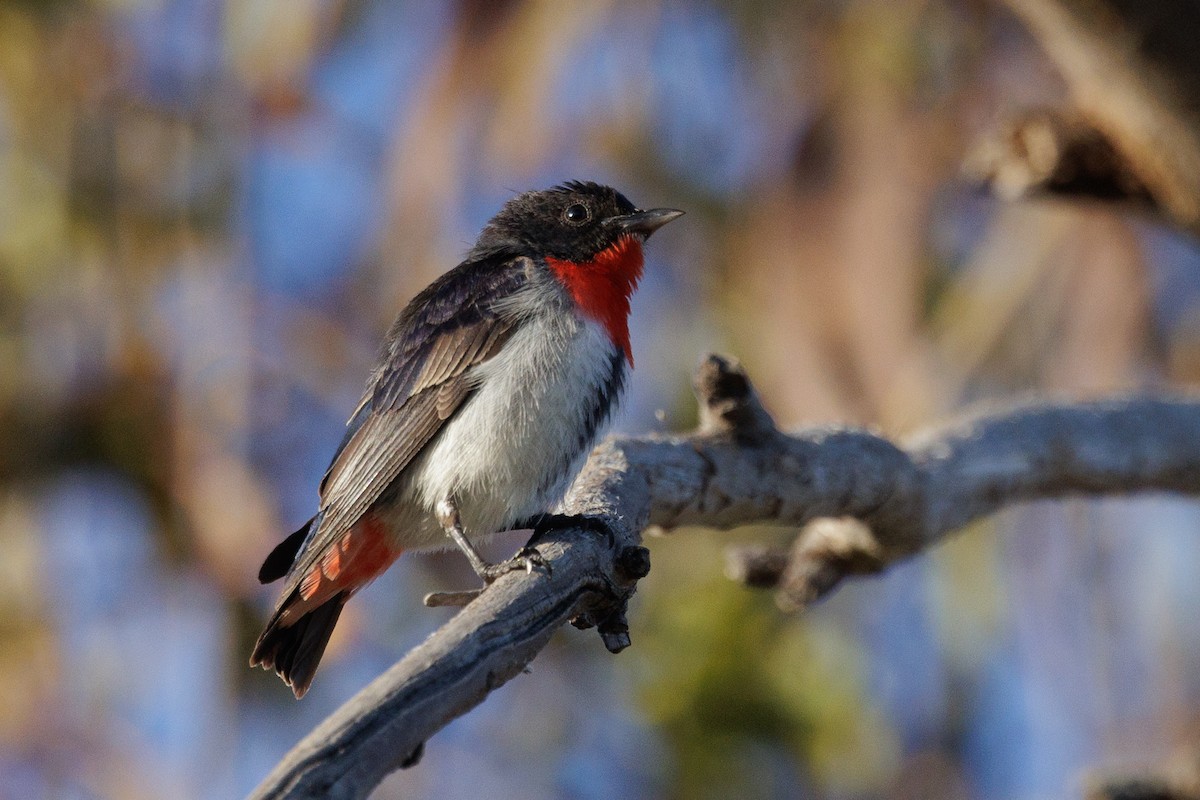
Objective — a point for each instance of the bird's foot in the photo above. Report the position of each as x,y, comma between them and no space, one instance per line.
527,558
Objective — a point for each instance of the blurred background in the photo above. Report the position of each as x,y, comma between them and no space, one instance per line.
211,210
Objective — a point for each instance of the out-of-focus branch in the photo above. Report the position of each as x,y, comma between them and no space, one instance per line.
1149,788
862,503
1176,777
1046,151
1134,128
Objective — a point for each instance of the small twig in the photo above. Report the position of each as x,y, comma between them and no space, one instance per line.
451,599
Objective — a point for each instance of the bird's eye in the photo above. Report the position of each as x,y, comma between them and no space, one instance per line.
577,213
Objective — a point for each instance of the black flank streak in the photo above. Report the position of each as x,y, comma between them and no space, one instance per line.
604,402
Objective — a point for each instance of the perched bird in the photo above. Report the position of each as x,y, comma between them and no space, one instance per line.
492,386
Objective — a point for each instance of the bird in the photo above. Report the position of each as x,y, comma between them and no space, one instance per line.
491,388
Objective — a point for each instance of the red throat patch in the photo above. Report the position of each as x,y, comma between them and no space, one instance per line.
602,287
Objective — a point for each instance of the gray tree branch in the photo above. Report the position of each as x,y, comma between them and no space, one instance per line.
1132,130
861,502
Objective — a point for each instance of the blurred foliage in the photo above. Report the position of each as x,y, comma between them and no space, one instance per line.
731,682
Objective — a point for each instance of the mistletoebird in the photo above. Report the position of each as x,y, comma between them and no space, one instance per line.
491,388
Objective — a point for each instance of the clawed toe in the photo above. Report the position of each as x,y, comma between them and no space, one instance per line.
527,558
531,557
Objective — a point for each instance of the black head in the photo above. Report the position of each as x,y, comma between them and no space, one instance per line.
572,222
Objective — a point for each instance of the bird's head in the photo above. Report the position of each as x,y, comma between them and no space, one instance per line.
590,238
574,222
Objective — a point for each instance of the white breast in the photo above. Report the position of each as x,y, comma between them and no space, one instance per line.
514,447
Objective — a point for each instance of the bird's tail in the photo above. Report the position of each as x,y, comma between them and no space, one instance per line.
294,649
319,585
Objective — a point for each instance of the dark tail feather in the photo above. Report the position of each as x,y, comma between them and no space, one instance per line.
283,556
295,650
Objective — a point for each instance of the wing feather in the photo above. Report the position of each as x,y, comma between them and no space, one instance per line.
424,376
450,396
381,448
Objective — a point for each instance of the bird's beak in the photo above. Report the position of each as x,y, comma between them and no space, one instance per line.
646,222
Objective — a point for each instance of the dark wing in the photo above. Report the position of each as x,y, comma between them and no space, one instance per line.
424,375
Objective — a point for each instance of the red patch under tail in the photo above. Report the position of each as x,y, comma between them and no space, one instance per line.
296,635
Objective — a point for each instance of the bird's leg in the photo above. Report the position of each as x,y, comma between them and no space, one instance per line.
543,523
526,558
448,518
